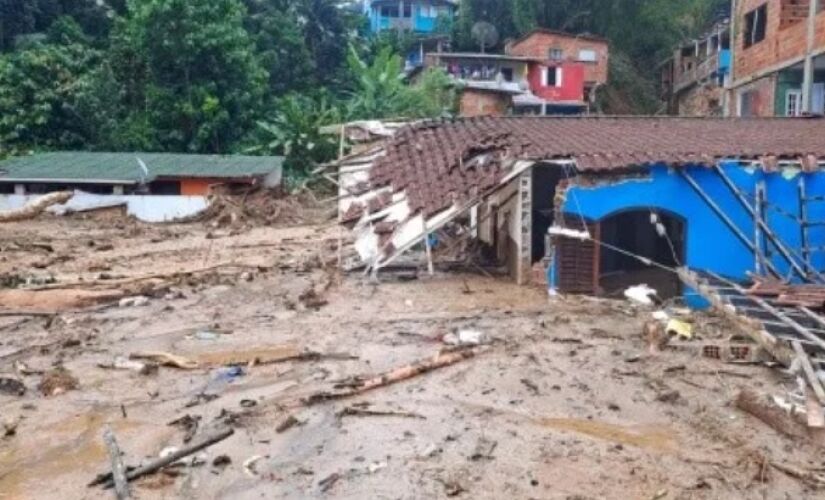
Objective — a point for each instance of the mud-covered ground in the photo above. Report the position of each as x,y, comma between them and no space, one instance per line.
563,400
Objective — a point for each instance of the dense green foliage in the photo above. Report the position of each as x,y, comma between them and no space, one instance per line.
221,76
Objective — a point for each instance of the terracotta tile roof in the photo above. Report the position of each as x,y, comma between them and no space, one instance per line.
441,162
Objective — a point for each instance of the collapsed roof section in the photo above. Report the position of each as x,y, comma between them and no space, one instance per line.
424,176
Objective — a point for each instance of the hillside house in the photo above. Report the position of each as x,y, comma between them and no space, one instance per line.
567,55
543,73
417,16
694,78
771,41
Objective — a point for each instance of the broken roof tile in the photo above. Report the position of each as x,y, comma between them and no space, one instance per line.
433,159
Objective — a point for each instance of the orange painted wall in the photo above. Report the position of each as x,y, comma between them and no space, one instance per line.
195,187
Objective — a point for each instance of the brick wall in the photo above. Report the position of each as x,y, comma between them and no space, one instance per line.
484,103
763,91
784,38
538,45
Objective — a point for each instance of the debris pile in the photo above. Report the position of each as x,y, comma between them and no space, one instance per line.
257,207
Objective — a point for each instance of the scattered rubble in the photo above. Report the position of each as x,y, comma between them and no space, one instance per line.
57,381
454,384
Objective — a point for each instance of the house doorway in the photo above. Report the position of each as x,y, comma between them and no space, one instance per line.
651,234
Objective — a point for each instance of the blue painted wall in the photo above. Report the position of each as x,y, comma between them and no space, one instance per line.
710,244
420,22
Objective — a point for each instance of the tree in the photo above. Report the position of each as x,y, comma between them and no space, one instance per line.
17,17
294,131
380,90
326,30
281,45
44,90
203,84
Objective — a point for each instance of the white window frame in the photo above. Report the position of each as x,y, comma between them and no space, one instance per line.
545,80
588,55
793,102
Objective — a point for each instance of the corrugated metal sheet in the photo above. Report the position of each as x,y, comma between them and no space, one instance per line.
123,167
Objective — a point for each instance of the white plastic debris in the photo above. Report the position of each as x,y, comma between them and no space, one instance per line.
466,337
137,301
249,465
568,233
641,294
376,466
661,316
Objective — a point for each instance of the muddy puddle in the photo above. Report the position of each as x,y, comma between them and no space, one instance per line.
72,445
656,438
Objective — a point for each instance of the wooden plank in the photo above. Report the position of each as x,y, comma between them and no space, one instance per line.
808,369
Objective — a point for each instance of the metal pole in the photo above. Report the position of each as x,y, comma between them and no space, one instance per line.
808,70
803,216
757,232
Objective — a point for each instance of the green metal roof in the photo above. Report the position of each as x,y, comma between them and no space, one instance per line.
123,168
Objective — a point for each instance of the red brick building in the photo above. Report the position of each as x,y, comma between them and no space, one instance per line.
583,53
769,47
544,72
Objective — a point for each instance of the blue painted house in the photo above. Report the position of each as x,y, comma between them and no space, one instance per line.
641,197
418,16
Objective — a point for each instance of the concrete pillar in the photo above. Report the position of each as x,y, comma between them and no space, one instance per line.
20,189
117,190
808,70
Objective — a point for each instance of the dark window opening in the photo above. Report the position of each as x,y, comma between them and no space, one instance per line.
169,188
507,74
725,44
636,232
407,10
545,181
6,188
86,188
556,54
551,77
528,110
389,11
755,25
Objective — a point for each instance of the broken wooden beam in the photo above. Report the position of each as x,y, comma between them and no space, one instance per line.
808,370
770,414
131,474
118,469
35,207
362,385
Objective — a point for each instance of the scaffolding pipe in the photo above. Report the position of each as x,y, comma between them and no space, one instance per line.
728,222
765,229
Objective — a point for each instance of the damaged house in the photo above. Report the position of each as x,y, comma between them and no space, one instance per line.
153,187
629,199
